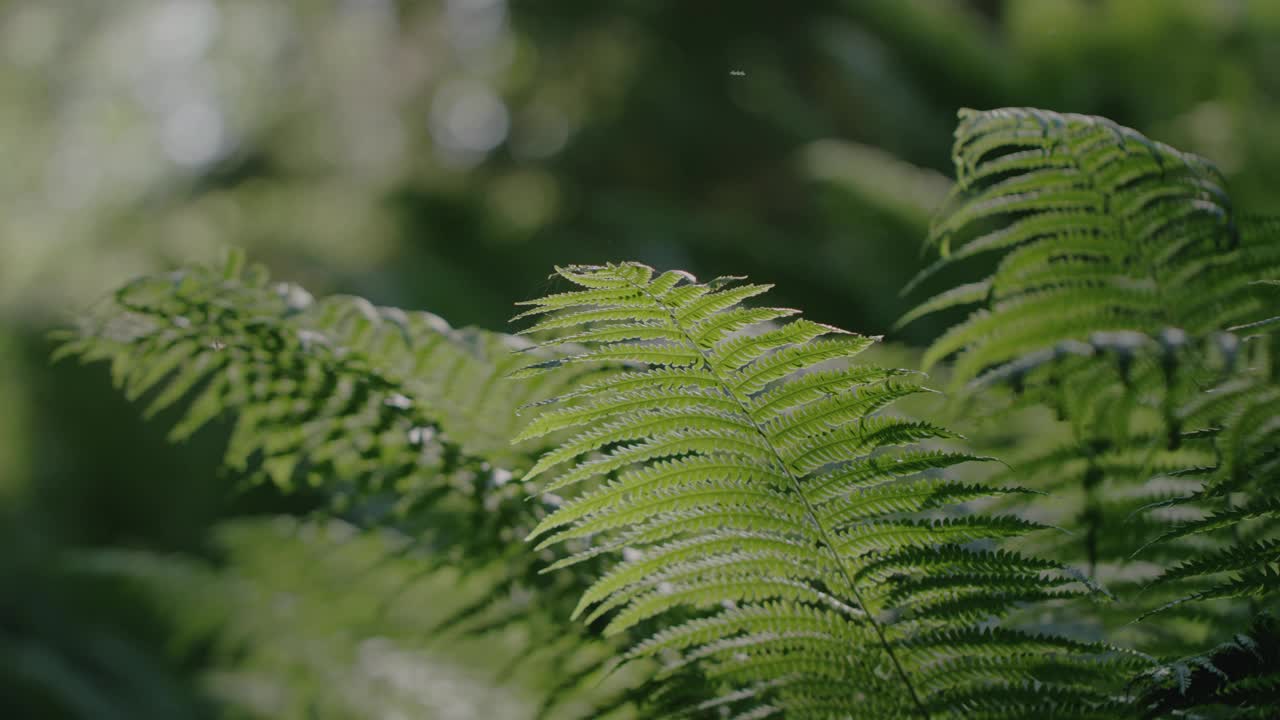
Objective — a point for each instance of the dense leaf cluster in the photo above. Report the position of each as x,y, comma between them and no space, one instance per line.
723,487
1128,294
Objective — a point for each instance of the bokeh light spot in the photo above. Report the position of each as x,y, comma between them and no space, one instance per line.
193,133
468,117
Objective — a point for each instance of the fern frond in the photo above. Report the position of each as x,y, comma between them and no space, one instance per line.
1095,228
767,528
395,417
1240,521
318,390
1121,285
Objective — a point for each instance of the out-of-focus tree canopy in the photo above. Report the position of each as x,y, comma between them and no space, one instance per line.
445,154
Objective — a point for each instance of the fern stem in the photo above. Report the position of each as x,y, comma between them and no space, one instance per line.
809,509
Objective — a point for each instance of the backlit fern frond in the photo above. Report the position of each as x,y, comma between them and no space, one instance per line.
1133,299
782,541
1095,229
1123,282
337,392
395,417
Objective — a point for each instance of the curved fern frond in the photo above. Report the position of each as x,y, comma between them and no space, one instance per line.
396,418
1123,284
781,537
321,392
1094,228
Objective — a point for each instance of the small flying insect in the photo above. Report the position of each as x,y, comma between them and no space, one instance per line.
738,73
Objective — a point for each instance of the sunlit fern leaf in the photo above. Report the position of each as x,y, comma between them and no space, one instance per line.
783,537
1120,282
1094,228
320,391
1237,679
394,416
459,373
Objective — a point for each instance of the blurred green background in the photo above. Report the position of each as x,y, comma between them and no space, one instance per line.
444,155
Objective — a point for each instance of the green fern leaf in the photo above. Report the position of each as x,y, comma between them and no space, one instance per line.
768,532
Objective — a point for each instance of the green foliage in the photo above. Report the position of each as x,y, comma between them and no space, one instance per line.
394,419
283,633
326,139
1131,297
1237,532
388,412
1098,230
76,649
783,536
723,492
